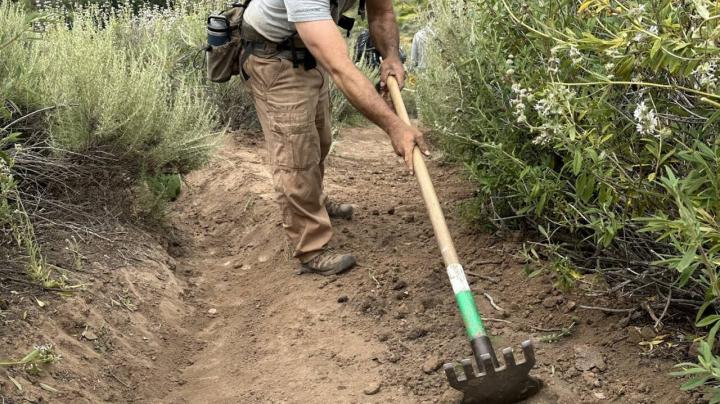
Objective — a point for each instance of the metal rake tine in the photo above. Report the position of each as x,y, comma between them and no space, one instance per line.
528,351
487,364
449,369
509,357
468,368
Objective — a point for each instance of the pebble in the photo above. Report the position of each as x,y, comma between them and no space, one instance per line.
399,285
432,364
89,335
342,299
647,333
372,388
588,357
391,211
549,302
212,311
634,335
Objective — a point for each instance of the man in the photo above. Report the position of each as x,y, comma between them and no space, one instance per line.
292,46
365,50
418,51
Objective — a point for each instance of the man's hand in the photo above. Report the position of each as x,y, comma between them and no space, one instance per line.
404,138
391,66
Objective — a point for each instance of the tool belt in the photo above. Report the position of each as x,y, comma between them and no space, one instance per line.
292,49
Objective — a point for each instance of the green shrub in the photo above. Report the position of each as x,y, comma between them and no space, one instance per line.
596,122
125,83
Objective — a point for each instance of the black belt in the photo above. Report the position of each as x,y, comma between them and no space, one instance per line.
292,49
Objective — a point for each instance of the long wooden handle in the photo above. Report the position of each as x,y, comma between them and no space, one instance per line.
442,234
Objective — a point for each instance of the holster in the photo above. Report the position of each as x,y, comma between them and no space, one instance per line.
292,49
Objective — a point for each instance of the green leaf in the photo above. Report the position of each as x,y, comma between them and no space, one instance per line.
712,333
708,320
701,9
694,383
577,161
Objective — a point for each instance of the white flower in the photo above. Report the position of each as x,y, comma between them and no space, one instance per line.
705,75
637,11
653,30
646,121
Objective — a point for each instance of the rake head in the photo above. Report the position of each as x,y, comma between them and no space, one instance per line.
494,384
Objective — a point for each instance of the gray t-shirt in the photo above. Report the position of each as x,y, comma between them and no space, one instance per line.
275,19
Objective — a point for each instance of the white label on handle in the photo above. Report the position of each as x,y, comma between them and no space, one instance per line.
457,278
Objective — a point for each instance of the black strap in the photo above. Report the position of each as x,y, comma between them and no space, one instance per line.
346,23
362,12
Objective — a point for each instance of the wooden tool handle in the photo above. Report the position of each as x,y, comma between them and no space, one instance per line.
442,234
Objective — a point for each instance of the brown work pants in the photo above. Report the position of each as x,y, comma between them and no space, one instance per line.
293,107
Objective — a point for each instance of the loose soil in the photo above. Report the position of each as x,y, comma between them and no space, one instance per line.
210,310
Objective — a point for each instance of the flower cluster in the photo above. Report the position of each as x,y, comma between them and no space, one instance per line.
646,120
553,101
520,95
706,76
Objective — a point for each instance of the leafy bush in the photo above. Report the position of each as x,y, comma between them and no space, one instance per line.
124,83
595,122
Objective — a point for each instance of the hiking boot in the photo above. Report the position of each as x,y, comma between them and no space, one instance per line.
339,210
328,263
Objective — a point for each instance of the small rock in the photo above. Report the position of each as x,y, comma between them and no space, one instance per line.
634,335
432,364
263,258
599,395
391,211
549,302
372,388
399,285
416,333
588,357
647,333
589,378
375,212
408,218
570,306
212,311
89,335
342,299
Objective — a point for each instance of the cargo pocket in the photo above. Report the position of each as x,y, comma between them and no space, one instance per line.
294,141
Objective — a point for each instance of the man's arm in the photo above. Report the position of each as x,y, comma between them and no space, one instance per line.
385,36
327,45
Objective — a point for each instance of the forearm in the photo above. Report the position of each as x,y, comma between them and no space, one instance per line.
384,31
362,95
324,41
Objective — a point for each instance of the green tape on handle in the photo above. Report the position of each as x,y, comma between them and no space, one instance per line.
473,323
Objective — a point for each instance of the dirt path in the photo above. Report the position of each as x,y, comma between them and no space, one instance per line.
213,312
279,337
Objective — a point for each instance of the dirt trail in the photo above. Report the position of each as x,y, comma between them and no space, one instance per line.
213,312
279,337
